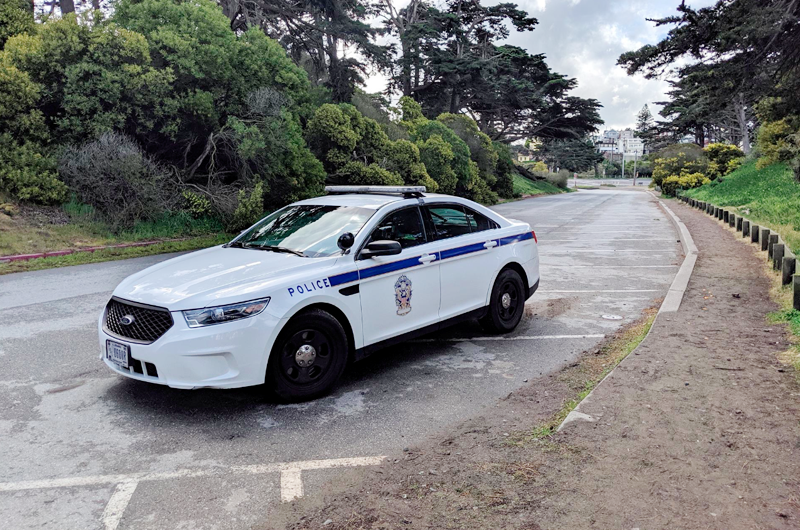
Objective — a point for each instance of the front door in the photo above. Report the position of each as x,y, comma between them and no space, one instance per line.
399,293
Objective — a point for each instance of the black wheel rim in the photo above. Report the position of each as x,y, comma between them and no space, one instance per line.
299,375
509,301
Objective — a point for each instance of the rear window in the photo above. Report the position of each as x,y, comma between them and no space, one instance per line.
449,220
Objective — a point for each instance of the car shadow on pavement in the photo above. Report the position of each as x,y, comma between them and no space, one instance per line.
390,367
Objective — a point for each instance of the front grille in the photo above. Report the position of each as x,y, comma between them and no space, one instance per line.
149,322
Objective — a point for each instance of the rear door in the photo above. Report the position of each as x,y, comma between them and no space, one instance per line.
468,253
399,293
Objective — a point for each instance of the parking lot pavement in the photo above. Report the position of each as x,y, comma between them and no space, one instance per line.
83,448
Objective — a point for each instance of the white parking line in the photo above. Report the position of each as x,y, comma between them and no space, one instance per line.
543,240
617,267
606,291
291,485
569,251
117,504
519,337
291,480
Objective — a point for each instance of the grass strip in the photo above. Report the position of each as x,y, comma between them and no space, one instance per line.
768,197
591,370
523,186
112,254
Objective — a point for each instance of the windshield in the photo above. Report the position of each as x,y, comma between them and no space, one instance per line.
308,229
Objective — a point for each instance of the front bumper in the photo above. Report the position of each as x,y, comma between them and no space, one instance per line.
229,355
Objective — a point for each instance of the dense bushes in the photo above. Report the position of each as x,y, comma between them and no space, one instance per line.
686,166
161,107
722,159
28,175
685,181
118,179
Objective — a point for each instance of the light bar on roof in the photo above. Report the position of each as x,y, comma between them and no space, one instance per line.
375,189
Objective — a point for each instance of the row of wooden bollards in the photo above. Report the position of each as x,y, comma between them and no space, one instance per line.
783,260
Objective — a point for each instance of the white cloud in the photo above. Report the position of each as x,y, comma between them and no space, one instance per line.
584,39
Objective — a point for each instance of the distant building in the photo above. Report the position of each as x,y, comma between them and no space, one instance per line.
632,146
613,144
524,157
627,134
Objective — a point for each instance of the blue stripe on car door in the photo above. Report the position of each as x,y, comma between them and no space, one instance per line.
408,263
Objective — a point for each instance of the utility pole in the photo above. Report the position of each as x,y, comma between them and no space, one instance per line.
635,157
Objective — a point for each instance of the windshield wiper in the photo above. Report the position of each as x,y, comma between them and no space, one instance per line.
235,244
277,249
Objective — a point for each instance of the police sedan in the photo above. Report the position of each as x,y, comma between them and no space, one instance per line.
317,284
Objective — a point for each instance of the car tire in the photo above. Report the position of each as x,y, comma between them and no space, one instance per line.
506,304
308,358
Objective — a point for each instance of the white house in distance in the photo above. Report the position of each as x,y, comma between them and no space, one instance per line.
612,144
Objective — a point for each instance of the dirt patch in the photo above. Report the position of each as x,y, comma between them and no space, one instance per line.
551,308
697,429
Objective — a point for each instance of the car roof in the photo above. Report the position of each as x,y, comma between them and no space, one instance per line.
373,201
376,201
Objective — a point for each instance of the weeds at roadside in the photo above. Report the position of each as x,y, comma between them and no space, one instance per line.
586,376
113,254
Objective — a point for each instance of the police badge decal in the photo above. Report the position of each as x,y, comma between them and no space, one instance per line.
402,295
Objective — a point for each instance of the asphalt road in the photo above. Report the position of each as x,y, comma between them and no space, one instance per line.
84,448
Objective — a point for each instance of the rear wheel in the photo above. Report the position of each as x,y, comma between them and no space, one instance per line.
506,304
308,358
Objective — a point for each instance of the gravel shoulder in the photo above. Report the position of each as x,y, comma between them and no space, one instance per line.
698,428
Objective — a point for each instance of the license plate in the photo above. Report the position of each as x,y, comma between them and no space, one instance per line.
117,353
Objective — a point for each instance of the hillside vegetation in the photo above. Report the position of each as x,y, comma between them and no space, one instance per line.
524,186
768,197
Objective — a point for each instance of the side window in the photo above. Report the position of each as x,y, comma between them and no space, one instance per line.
479,222
449,220
403,226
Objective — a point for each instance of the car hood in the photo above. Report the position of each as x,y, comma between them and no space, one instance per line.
215,276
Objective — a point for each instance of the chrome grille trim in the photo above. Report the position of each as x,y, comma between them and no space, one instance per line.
150,322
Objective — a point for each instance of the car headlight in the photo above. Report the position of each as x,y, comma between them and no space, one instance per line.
196,318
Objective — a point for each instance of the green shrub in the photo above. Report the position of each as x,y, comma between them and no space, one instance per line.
16,17
197,205
437,155
686,181
676,166
539,167
722,159
560,178
28,175
505,171
249,209
775,141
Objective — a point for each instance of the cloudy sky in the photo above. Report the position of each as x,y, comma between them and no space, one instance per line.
584,38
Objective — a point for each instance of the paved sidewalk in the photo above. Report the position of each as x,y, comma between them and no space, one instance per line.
697,429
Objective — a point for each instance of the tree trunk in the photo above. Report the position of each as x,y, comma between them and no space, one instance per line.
67,6
699,136
744,126
405,74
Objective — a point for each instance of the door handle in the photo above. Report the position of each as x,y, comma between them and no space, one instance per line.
427,258
490,244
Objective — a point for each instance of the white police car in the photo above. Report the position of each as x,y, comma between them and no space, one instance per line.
318,283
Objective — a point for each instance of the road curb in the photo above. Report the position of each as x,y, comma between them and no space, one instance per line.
670,304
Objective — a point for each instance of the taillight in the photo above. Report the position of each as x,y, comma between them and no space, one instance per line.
535,240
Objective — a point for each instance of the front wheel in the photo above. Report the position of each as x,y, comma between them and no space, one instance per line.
506,304
308,357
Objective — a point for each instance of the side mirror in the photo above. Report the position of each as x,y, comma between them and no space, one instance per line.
346,241
381,248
